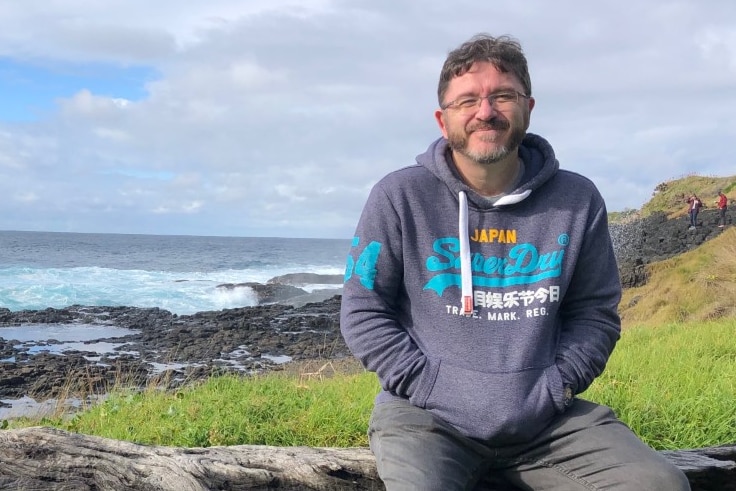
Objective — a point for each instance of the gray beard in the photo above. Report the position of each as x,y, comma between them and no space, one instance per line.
486,158
460,145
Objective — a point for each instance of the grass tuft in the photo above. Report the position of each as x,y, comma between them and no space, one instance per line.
675,386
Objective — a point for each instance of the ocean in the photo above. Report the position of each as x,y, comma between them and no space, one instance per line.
176,273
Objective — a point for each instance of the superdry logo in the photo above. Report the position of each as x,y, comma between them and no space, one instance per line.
524,265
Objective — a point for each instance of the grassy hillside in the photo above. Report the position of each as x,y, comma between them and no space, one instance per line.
698,285
669,196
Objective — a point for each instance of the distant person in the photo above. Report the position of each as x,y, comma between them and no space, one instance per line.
722,203
482,288
694,206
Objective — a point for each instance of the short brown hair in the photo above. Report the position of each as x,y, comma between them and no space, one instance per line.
504,52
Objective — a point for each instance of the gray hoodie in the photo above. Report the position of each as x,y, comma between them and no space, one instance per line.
539,272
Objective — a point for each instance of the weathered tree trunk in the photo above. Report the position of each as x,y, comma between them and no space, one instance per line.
51,459
711,469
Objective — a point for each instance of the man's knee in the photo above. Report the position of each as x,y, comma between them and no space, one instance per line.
415,451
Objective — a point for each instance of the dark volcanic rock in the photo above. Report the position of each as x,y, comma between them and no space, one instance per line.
243,339
656,238
284,289
301,279
266,294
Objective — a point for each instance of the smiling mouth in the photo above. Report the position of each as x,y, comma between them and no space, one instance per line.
489,130
498,127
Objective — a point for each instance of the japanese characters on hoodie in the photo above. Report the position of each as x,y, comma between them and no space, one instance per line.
540,269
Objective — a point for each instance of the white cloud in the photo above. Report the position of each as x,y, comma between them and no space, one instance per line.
276,117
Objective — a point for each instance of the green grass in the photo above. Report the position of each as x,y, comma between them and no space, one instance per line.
670,196
675,386
272,409
696,286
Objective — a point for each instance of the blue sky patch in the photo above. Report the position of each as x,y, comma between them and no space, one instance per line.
29,90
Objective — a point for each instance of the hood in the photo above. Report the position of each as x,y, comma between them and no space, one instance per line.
540,165
539,162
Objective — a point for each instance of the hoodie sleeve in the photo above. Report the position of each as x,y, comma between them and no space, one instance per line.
590,322
371,299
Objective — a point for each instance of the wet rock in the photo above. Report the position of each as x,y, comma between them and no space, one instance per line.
267,293
168,347
302,279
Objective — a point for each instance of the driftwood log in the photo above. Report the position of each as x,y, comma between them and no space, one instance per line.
42,458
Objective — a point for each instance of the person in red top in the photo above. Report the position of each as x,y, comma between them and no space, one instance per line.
722,205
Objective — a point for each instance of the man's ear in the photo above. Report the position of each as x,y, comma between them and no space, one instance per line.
439,116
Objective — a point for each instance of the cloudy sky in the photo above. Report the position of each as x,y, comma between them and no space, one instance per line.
275,117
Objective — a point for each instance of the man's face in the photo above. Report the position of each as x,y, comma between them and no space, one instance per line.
489,132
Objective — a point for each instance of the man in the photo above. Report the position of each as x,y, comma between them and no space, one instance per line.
482,289
722,204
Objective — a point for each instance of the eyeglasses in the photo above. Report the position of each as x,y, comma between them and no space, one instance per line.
498,100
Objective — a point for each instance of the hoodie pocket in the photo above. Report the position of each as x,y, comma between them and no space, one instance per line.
503,408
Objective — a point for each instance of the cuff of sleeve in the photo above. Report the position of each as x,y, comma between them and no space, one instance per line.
567,372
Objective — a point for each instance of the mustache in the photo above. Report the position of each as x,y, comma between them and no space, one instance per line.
491,124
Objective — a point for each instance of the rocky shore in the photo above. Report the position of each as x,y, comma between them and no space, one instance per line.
190,347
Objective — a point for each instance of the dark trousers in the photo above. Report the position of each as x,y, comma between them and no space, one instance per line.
585,449
693,218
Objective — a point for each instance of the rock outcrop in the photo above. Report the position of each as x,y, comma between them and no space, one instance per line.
639,242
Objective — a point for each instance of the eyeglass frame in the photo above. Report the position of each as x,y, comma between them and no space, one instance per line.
491,98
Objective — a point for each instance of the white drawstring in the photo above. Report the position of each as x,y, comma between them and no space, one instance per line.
466,274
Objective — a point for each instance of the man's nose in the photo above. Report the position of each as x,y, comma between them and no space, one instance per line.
486,109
